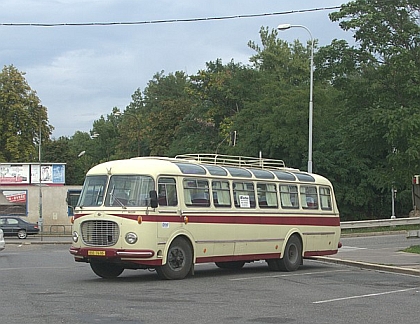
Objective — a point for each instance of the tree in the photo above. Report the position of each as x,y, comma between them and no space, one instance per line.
380,83
24,120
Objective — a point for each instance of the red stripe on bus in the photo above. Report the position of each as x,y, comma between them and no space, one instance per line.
246,220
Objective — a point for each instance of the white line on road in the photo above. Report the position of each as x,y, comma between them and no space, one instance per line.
287,275
364,296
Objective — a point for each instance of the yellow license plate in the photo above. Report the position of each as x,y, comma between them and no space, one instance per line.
96,253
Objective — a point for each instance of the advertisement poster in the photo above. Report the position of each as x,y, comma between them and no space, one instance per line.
14,173
13,202
50,173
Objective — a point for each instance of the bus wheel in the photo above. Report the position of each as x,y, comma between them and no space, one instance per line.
292,257
106,270
178,261
230,264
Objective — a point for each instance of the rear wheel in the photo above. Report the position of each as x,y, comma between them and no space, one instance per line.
22,234
292,257
106,270
178,261
230,264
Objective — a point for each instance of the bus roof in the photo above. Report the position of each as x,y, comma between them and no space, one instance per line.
207,165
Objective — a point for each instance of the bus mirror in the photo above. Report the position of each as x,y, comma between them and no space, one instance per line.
153,199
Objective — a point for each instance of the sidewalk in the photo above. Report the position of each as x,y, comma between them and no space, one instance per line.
390,258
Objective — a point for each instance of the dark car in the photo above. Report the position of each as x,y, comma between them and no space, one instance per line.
15,226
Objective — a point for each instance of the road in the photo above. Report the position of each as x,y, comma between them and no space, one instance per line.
42,284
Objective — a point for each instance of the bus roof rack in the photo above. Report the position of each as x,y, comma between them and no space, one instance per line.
234,160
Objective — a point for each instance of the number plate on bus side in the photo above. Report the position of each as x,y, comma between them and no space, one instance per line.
96,253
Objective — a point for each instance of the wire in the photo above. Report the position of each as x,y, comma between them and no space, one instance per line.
164,20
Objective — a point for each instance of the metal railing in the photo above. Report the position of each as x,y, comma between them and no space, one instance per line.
380,223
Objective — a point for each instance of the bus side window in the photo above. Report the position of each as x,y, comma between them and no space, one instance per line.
267,195
309,197
196,193
243,192
167,192
221,194
289,196
325,196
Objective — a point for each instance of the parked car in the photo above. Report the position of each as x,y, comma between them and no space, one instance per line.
2,243
15,226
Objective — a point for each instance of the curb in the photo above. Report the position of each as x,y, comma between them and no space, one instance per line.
371,266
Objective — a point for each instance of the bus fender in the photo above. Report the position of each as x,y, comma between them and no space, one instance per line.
293,231
188,237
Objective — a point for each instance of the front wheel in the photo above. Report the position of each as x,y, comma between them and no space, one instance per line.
106,270
22,234
178,261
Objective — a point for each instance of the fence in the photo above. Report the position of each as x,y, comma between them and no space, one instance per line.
381,223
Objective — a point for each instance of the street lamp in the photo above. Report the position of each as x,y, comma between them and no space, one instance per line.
283,27
119,113
40,220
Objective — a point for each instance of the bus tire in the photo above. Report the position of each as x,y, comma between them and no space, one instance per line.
292,257
178,261
230,264
106,270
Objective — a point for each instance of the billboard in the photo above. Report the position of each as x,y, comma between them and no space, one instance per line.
50,173
13,202
14,173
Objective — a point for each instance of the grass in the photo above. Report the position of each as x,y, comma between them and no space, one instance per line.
413,249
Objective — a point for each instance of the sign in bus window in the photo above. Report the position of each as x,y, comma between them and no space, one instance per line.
167,192
325,196
289,196
244,194
221,194
267,195
308,197
196,193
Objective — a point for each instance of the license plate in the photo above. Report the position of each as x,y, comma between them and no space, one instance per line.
96,253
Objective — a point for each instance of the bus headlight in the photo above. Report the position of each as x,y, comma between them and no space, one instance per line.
75,237
131,238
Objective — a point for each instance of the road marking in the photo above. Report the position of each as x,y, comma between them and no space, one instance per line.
364,296
288,275
350,248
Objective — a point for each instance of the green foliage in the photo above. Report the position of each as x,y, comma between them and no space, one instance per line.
22,118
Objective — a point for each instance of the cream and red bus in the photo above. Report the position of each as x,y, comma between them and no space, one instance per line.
169,214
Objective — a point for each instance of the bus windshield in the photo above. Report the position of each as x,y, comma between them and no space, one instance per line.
129,190
93,191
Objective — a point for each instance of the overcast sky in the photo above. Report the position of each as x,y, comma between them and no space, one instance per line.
82,72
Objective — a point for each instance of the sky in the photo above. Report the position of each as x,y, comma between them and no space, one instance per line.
81,73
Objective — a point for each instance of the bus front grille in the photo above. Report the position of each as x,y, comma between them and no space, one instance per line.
100,233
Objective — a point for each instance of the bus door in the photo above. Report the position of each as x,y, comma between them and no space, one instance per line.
168,210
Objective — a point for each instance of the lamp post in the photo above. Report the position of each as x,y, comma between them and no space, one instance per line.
40,220
285,27
119,113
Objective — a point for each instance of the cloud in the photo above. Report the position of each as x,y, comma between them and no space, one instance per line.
81,73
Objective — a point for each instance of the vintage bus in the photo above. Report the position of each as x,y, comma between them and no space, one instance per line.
168,214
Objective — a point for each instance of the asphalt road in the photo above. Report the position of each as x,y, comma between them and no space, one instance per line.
42,284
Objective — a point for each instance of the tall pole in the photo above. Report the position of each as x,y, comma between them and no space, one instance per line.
40,221
311,87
